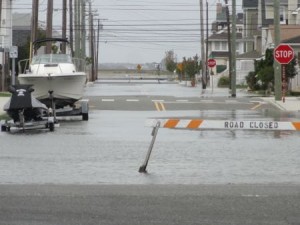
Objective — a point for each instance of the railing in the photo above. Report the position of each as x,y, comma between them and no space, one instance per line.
23,65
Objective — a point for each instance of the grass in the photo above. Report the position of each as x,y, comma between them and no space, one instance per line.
5,94
4,117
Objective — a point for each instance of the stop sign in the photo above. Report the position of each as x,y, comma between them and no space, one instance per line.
283,54
211,63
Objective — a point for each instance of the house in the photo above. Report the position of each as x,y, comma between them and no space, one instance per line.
259,26
21,28
218,41
5,41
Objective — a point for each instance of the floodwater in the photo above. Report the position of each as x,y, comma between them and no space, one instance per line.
112,145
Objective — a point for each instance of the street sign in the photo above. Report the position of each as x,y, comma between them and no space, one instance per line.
211,63
13,52
283,54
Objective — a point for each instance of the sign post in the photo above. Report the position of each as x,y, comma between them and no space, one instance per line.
211,63
13,54
283,54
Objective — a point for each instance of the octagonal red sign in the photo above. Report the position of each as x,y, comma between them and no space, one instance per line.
211,63
283,54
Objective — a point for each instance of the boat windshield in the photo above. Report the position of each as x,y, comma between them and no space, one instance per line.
51,58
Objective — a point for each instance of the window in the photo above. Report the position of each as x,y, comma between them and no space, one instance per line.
217,45
282,15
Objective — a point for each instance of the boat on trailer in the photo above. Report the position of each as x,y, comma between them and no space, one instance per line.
57,78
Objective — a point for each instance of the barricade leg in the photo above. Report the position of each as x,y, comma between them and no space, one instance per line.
154,134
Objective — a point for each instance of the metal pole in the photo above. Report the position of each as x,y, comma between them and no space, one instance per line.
233,50
64,24
202,46
97,48
229,41
1,69
91,36
49,25
34,24
82,28
206,55
71,26
276,65
154,134
13,71
77,28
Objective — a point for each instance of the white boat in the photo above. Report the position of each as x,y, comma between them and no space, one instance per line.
56,77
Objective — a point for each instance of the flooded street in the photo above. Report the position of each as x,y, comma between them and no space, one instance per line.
111,146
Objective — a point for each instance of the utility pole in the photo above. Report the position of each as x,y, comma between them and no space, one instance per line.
233,51
97,48
2,81
203,63
71,26
206,55
229,41
34,24
276,65
83,30
64,24
91,34
49,25
77,28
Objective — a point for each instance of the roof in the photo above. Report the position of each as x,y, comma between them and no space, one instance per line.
254,3
294,40
281,2
286,32
250,3
250,55
223,36
216,54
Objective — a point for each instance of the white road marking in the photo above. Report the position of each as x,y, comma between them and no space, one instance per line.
157,100
108,100
132,100
182,100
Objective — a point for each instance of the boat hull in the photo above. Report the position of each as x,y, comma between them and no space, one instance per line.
66,88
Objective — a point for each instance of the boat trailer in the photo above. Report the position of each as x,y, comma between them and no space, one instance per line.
29,113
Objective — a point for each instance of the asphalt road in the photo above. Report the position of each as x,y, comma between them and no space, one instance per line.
67,158
150,204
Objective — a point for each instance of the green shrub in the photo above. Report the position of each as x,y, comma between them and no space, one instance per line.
223,81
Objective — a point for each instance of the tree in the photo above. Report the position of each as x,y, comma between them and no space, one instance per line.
263,75
191,66
170,61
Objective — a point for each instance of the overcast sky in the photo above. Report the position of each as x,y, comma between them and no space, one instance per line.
140,31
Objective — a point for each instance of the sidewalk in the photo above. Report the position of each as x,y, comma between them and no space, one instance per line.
290,104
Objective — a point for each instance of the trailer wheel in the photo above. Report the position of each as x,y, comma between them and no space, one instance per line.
3,128
51,127
85,116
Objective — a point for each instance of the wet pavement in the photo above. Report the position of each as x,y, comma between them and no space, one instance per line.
111,146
